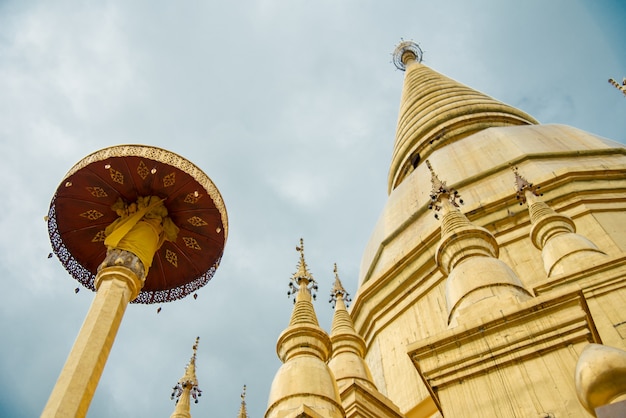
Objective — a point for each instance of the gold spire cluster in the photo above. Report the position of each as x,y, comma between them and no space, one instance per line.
347,361
311,383
304,380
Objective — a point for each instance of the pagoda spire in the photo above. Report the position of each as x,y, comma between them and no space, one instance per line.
304,381
347,363
436,110
562,249
359,394
186,388
478,282
243,412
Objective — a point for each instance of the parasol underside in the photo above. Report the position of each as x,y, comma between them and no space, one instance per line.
81,210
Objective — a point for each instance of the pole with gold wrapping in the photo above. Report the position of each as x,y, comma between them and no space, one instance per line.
116,284
136,224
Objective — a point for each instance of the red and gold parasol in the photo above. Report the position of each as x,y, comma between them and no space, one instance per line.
81,210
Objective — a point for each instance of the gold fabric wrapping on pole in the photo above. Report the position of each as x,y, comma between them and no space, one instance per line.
141,228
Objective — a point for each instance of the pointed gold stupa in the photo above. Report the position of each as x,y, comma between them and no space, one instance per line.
563,250
243,412
478,282
304,385
359,395
347,361
436,110
187,388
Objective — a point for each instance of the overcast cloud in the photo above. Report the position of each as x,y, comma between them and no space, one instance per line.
290,107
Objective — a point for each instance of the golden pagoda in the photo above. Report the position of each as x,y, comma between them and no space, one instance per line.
505,302
485,309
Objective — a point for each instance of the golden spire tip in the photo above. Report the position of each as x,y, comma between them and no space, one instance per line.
440,191
522,185
302,280
338,291
405,52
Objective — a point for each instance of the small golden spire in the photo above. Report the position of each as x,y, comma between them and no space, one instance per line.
302,280
440,191
522,186
187,387
243,412
338,291
304,348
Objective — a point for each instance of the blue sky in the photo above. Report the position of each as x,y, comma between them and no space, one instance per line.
290,108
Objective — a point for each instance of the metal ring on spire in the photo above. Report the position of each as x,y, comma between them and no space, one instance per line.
403,51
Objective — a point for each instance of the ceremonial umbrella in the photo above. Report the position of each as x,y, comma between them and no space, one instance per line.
81,210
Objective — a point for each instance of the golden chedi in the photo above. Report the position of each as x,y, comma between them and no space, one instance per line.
486,310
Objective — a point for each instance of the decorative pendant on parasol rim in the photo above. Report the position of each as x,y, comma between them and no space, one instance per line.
81,209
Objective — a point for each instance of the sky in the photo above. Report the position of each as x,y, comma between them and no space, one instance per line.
290,107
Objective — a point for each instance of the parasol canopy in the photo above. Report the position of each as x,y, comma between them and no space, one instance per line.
81,209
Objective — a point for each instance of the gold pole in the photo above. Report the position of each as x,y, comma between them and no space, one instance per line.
182,409
116,285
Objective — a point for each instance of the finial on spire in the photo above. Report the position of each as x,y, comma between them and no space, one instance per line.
522,185
302,280
243,413
615,84
439,191
406,51
338,291
189,380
